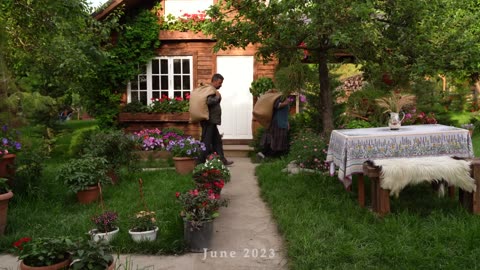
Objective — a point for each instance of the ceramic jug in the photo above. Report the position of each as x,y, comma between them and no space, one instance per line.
395,121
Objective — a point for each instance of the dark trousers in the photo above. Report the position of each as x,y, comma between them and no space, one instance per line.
212,140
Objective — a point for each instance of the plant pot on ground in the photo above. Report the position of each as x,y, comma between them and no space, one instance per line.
41,252
83,175
5,195
106,227
199,209
144,227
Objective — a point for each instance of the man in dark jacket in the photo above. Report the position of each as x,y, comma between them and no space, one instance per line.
210,135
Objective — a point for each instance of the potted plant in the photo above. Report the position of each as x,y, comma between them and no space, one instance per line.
199,209
212,174
185,151
83,176
115,147
53,252
105,226
9,145
144,226
5,195
93,255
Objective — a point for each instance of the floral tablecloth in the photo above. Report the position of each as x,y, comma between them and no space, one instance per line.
349,148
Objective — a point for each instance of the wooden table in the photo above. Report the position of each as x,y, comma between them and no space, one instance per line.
349,148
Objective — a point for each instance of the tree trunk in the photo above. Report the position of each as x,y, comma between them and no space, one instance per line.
475,86
326,102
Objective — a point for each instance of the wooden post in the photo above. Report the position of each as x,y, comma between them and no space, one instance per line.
475,168
380,196
361,190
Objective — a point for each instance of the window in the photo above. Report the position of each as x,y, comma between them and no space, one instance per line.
167,75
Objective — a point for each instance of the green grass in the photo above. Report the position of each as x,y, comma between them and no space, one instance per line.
52,210
324,228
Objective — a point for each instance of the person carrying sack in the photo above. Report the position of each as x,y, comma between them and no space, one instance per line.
272,112
205,108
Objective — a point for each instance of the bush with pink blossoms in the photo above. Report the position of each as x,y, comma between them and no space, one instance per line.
413,117
309,150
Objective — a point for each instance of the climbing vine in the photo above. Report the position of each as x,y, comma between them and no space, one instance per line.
133,46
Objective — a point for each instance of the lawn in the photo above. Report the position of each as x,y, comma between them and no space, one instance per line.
51,210
324,228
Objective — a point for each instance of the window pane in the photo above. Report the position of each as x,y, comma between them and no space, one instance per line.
164,83
177,64
186,82
134,96
134,85
164,66
185,66
143,82
177,82
156,82
155,66
156,94
143,69
143,98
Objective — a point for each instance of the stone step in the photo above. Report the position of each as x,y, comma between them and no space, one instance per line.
236,150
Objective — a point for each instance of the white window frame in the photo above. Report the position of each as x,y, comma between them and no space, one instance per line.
149,73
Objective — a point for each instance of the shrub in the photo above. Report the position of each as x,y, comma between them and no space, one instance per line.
309,150
79,174
114,146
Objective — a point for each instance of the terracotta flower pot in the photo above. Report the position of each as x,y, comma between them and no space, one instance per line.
184,165
57,266
88,195
4,198
7,169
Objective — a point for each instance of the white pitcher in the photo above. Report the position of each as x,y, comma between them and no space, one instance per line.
395,122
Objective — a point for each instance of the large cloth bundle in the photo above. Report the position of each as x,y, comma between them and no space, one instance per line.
198,107
263,109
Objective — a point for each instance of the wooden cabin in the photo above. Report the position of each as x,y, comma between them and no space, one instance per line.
186,59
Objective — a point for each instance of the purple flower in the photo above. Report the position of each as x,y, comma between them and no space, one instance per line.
303,98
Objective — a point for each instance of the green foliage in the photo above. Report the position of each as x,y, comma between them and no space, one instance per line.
135,106
92,255
4,187
261,85
256,142
199,207
309,150
79,140
144,221
167,105
294,77
188,22
361,105
357,123
29,168
38,108
80,173
114,146
135,46
44,251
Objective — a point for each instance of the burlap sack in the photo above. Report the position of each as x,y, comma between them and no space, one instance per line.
263,109
198,107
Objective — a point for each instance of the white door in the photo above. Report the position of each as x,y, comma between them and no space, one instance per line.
237,102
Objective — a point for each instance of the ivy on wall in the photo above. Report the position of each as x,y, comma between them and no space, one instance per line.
134,45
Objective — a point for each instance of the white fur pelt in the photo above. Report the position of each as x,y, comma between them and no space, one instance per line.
397,173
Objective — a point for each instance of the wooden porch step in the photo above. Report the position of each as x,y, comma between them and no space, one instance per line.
237,141
236,150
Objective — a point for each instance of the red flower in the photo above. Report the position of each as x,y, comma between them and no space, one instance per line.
177,194
22,240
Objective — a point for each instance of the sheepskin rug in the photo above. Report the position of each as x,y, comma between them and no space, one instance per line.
396,174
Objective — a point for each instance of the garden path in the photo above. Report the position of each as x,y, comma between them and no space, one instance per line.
245,236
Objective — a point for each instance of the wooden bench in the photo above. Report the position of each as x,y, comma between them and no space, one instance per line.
380,198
